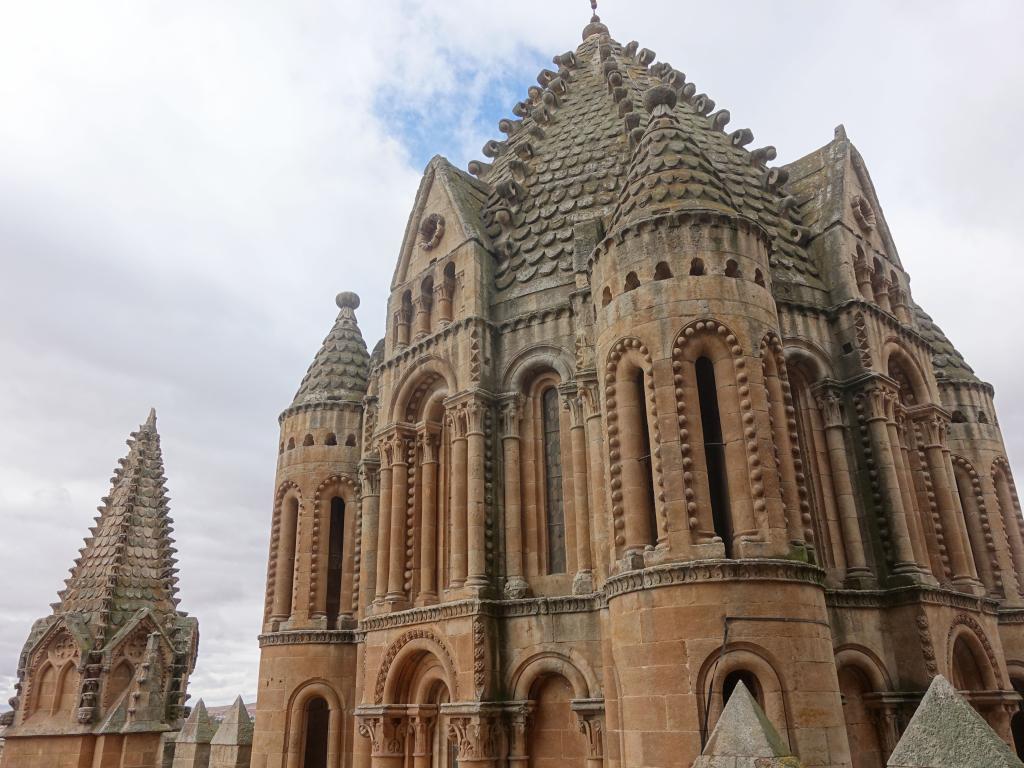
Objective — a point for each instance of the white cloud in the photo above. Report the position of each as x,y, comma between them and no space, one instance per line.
184,187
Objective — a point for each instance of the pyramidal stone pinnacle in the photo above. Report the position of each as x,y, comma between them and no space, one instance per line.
127,560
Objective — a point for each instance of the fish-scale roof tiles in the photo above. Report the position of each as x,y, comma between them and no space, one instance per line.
128,561
567,158
341,369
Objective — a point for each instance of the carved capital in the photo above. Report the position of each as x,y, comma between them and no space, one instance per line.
475,411
369,479
457,421
386,729
573,403
428,442
590,716
511,411
875,400
477,736
830,404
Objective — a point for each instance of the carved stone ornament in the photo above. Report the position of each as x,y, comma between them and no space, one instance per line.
431,231
863,213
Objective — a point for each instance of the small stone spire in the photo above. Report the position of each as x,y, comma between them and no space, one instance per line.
341,369
128,560
746,736
595,27
669,171
946,732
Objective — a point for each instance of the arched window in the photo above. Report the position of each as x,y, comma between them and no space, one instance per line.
958,417
967,673
606,296
714,451
982,417
118,683
331,439
759,277
291,443
697,267
335,553
317,727
644,458
1017,721
732,269
66,698
285,568
46,686
861,731
662,271
307,440
350,441
632,282
749,679
551,426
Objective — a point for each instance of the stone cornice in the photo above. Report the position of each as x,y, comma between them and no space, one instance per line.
320,405
311,637
921,594
1011,615
713,570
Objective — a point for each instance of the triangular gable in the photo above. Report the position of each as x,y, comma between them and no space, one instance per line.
443,188
140,617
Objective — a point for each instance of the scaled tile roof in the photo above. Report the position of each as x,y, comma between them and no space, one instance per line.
341,368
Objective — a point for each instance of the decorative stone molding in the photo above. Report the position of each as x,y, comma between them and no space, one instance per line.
479,656
963,620
916,594
534,606
476,729
672,574
863,213
431,231
924,635
311,637
590,716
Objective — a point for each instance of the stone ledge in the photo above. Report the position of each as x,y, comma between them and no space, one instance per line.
310,636
899,596
714,571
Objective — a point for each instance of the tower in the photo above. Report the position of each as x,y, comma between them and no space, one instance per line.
308,651
105,675
653,421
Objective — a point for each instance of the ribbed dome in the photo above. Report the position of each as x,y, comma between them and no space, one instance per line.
341,368
668,172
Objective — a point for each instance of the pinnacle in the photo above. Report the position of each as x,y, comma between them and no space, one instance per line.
118,567
743,730
236,727
341,368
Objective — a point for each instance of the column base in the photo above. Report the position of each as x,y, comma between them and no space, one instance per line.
969,585
425,599
396,601
859,578
904,576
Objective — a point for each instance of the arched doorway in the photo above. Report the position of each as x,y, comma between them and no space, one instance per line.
314,753
865,746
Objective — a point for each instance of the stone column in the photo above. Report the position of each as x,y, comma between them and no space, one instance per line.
933,429
443,302
402,319
519,716
882,294
399,508
894,412
863,275
583,582
784,451
595,454
873,401
386,728
999,497
590,713
422,323
284,563
515,584
421,729
457,484
830,405
476,523
387,450
428,520
369,475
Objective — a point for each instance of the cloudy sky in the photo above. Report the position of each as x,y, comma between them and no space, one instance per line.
185,186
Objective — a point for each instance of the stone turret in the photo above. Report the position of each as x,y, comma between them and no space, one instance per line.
112,661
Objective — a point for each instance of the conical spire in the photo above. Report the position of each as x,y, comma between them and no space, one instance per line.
946,732
341,368
236,727
128,561
669,172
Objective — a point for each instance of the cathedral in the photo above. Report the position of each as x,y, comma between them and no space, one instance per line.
655,423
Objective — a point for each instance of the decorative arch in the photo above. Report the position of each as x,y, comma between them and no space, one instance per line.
403,655
546,663
412,379
748,657
295,725
349,490
628,355
535,358
967,628
811,357
894,352
867,662
717,343
979,528
280,531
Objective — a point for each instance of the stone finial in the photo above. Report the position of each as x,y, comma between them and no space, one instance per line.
236,727
198,729
347,300
946,732
595,27
745,738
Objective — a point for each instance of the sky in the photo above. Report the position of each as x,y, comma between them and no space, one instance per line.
184,187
